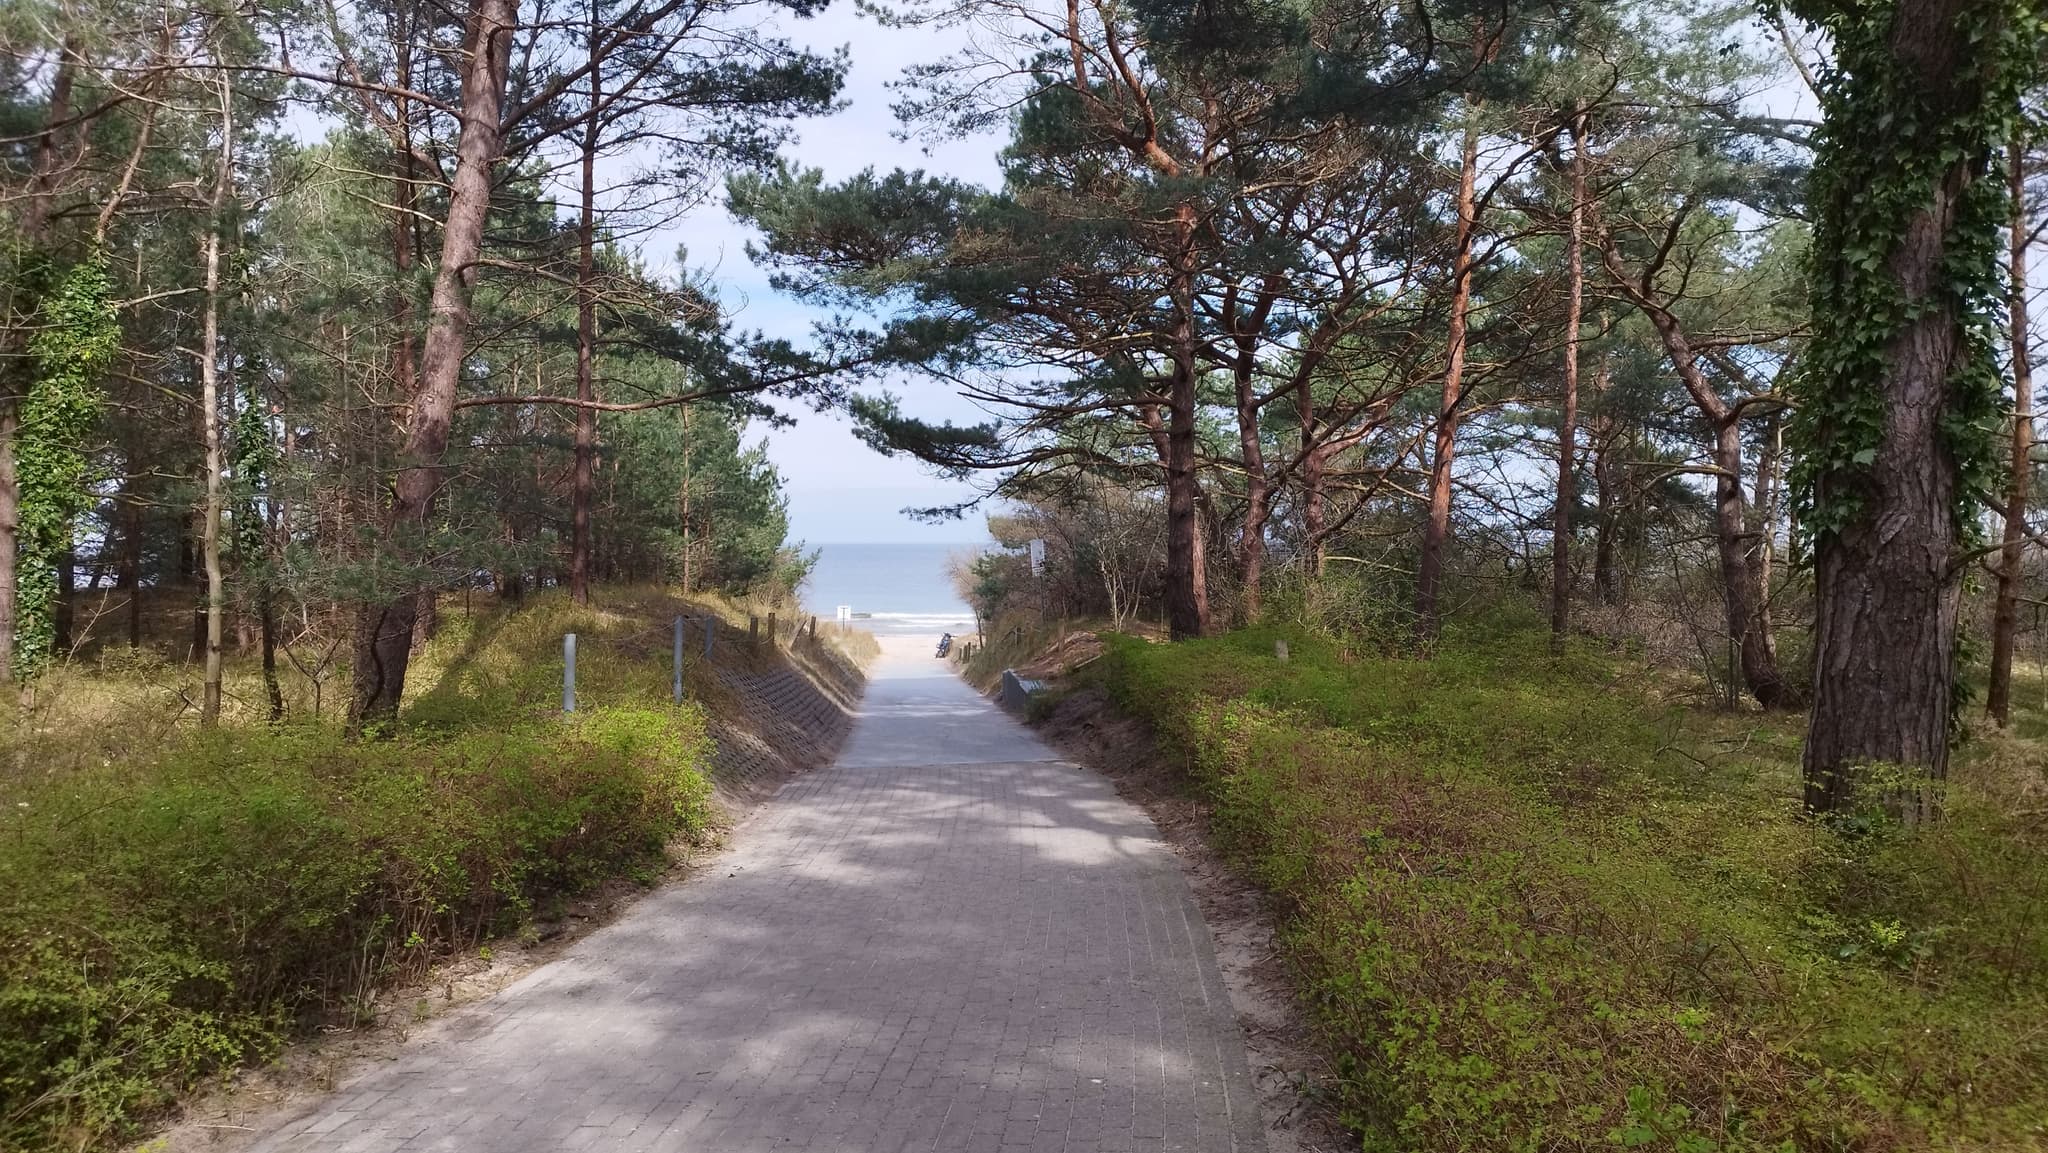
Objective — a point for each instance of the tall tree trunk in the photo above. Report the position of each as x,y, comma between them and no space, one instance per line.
1770,468
2019,485
404,257
1742,593
1603,521
193,554
426,620
67,597
1885,571
582,488
683,510
209,414
1437,529
1568,409
266,614
1187,592
15,374
1742,589
276,514
383,628
404,229
1258,497
131,564
1606,519
1315,460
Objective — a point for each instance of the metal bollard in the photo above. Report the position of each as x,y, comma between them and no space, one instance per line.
568,672
679,661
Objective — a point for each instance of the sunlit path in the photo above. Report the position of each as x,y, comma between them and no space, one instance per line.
949,941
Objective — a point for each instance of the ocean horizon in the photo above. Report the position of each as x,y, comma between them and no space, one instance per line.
891,588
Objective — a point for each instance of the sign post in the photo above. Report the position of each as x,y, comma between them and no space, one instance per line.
568,672
679,661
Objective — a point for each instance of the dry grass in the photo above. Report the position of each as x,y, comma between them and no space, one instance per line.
109,701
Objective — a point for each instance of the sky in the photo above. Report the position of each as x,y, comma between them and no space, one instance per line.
839,489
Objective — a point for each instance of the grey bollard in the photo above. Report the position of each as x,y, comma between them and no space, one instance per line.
1280,651
568,672
679,661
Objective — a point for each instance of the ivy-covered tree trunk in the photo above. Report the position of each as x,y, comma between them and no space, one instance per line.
69,353
384,625
10,528
17,368
1901,391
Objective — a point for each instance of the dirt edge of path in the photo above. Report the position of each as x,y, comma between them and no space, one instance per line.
1287,1067
778,724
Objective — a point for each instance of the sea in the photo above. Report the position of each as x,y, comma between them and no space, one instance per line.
891,589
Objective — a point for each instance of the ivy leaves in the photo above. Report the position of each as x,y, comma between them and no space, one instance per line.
75,341
1888,156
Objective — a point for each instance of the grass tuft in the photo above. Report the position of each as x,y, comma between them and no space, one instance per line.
184,901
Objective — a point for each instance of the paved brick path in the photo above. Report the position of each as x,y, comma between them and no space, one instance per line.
949,941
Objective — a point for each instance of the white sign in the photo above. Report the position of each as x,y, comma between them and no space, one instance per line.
1037,549
845,613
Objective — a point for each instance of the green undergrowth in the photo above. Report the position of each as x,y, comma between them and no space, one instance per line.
1531,906
186,907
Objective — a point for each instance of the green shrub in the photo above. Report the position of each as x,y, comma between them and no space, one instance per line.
1531,909
183,913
